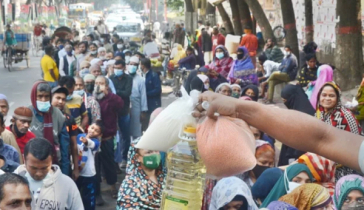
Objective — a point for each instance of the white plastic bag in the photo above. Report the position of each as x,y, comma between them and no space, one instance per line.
352,105
162,134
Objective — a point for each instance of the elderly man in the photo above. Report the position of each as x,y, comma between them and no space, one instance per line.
92,106
96,71
21,121
7,136
111,105
65,62
14,190
138,99
124,84
48,122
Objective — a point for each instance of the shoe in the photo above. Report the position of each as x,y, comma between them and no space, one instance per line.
99,200
123,164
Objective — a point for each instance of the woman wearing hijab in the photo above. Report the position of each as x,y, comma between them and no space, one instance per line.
349,193
242,71
324,74
279,205
265,183
293,176
330,111
144,182
232,193
252,91
200,83
294,98
222,61
188,62
322,169
235,90
309,197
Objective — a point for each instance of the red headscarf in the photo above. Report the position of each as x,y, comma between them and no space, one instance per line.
48,122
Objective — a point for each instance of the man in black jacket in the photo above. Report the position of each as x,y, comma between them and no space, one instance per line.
206,45
123,85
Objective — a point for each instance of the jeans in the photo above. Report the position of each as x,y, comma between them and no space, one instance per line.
53,84
86,186
275,79
124,126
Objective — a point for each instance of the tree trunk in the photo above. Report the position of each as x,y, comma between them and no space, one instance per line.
309,21
236,18
189,6
244,14
289,22
262,20
211,14
349,52
226,19
189,16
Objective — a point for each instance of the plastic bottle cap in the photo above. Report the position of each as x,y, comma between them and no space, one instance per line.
189,129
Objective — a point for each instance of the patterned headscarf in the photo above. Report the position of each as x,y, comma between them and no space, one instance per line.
279,205
322,169
339,116
308,197
137,191
344,186
227,189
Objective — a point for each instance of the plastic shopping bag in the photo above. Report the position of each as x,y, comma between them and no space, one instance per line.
226,146
162,134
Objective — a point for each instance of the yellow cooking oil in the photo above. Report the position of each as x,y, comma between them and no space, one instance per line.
185,180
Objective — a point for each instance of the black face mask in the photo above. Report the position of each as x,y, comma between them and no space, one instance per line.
17,132
258,170
90,87
240,56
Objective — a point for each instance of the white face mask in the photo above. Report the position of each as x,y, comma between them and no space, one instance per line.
120,46
291,185
207,86
286,53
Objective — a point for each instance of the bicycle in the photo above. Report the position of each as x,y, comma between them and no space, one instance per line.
36,45
8,57
179,78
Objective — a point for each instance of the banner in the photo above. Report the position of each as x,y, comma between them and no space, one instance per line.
9,17
24,13
43,14
52,16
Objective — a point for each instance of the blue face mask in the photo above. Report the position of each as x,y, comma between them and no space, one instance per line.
60,46
79,92
69,97
43,106
132,69
118,72
69,53
220,55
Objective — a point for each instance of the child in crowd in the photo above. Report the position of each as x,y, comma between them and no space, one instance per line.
88,144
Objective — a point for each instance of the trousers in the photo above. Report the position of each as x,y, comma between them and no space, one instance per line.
86,186
275,79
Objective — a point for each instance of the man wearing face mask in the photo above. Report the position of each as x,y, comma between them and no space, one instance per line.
65,62
21,121
138,98
75,102
85,88
96,71
59,47
127,54
153,87
48,122
287,71
123,85
111,105
6,135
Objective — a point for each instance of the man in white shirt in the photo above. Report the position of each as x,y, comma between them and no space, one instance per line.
268,68
66,61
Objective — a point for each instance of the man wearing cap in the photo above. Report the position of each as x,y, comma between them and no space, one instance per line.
6,135
59,95
22,118
138,99
96,71
48,122
123,84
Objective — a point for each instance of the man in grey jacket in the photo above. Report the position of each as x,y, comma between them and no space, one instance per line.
50,188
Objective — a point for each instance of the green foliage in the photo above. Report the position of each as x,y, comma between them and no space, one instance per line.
175,5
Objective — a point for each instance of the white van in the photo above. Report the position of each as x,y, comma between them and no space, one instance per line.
131,31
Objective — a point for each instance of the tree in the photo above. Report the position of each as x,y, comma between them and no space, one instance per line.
211,14
308,21
348,52
226,19
236,17
244,14
262,20
175,5
289,22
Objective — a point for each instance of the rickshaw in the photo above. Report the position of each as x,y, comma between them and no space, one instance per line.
18,52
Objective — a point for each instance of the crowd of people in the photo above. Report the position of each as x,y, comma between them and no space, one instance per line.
95,100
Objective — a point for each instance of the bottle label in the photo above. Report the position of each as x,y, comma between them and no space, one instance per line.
175,203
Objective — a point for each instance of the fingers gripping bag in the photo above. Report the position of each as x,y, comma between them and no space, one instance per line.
226,146
162,134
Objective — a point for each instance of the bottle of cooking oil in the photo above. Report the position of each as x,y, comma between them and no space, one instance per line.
185,180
